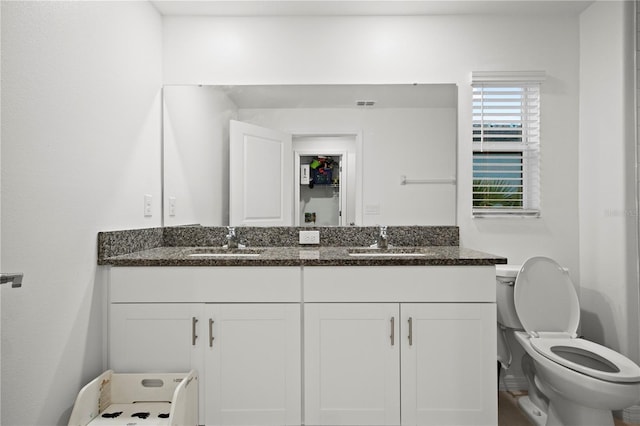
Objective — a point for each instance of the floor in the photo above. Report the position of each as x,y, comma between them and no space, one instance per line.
510,415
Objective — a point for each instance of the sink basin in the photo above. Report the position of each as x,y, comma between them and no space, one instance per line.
391,252
223,252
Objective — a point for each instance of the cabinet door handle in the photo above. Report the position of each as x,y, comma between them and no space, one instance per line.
393,330
194,336
211,338
410,331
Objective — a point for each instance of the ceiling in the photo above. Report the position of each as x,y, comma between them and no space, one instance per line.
368,7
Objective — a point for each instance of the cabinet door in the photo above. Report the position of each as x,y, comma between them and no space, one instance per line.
449,364
157,338
154,337
253,372
352,370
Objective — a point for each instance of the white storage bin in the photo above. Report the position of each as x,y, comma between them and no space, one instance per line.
138,399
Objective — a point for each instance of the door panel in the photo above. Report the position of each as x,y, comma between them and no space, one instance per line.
448,365
157,338
154,338
351,364
253,364
261,176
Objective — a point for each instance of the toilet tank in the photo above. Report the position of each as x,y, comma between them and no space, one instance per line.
505,278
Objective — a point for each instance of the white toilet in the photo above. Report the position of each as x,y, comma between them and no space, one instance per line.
581,380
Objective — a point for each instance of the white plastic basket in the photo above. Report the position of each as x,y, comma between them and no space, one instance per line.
138,399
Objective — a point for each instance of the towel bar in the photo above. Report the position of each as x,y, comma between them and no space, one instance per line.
405,181
14,278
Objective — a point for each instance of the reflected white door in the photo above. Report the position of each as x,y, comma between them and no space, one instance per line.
260,176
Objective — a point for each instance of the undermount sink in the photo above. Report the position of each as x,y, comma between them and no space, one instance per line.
390,252
223,252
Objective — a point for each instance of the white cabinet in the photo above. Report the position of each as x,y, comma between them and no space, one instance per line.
385,345
448,364
355,353
352,364
156,338
153,338
386,362
248,355
252,365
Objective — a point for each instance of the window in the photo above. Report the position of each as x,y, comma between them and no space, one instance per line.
506,144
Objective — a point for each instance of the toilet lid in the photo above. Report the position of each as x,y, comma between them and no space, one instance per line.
545,298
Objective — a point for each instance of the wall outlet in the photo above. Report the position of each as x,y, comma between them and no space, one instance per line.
309,237
372,209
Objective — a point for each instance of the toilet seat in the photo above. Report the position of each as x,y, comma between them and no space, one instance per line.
547,305
602,362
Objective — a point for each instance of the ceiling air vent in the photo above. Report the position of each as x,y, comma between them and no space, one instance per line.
365,103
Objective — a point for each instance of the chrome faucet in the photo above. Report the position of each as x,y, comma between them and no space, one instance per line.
232,239
383,240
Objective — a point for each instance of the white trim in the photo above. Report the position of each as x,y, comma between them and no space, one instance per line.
478,77
509,382
506,213
631,414
343,154
497,108
359,167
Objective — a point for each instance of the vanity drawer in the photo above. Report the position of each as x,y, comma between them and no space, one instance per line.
399,284
166,284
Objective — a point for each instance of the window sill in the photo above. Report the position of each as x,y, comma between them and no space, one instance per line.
501,214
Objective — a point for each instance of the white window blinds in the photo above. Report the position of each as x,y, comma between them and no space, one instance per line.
506,144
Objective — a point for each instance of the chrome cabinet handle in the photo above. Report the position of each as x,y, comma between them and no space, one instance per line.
14,278
393,330
410,331
211,338
194,336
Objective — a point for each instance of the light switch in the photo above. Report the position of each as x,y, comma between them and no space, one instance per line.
148,211
172,206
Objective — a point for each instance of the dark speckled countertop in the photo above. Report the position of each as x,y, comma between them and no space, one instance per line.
278,246
297,256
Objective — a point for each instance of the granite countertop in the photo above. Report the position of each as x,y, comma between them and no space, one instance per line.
279,246
304,256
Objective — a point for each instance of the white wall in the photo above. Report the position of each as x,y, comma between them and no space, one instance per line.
417,142
196,154
424,49
80,146
608,215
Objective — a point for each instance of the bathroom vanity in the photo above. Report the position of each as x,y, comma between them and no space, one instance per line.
328,335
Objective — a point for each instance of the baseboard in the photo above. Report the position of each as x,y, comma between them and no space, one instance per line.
630,415
517,384
513,383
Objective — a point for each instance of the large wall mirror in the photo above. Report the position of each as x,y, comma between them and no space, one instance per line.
310,155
